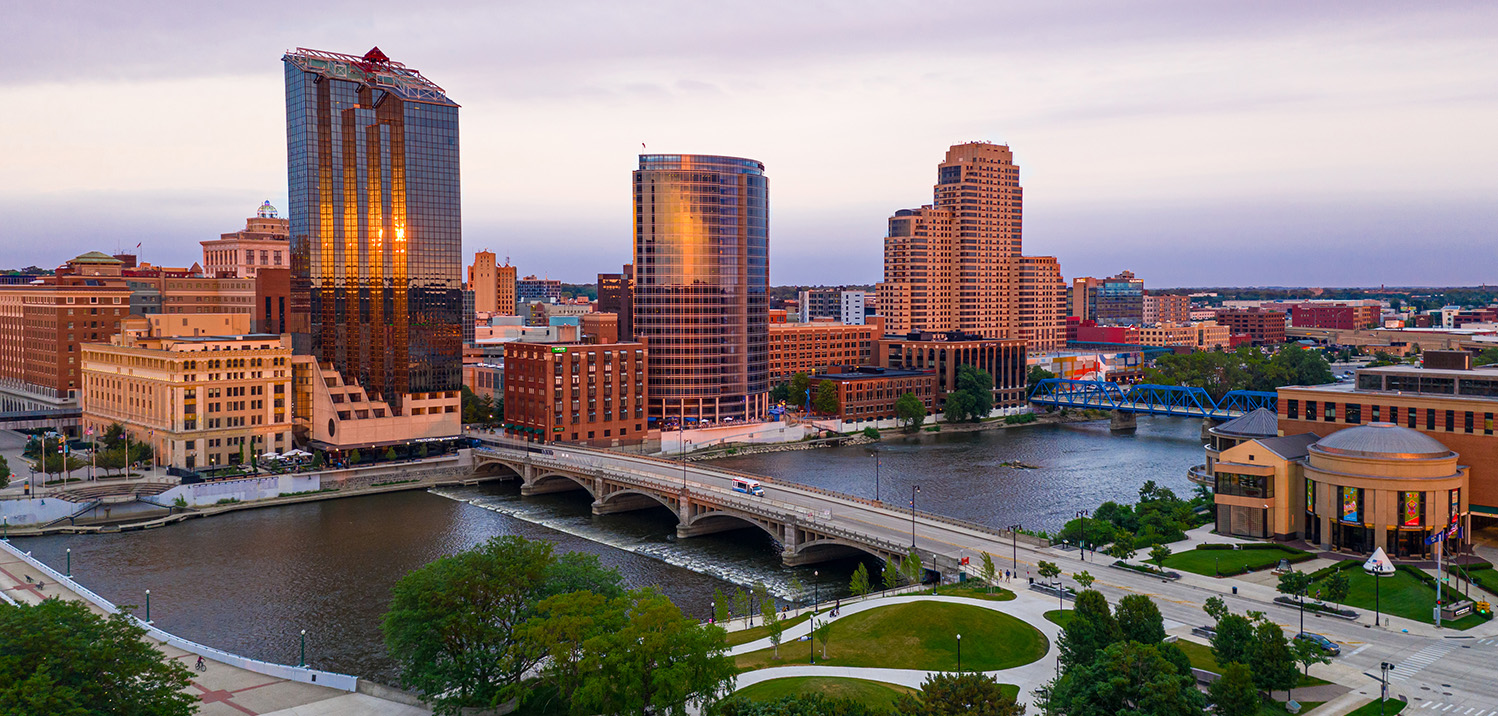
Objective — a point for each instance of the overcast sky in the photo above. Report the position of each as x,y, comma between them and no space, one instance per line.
1196,143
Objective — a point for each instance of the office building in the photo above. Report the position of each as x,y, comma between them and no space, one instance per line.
43,323
1166,308
1263,327
1343,315
589,394
376,238
838,304
616,295
263,242
701,258
1041,304
1113,301
820,347
198,389
531,290
945,352
600,328
483,282
272,295
869,393
1202,335
955,264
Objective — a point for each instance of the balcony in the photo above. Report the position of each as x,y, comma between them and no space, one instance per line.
1201,476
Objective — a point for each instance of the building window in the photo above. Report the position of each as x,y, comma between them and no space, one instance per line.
1467,421
1451,421
1352,414
1430,419
1310,410
1292,409
1330,412
1375,413
1244,485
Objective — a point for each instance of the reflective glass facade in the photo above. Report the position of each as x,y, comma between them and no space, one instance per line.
376,237
702,277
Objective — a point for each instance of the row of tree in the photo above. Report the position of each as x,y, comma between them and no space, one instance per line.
1158,517
511,621
967,694
481,409
1246,368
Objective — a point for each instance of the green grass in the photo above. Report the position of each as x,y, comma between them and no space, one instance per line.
1060,617
744,636
1277,708
1201,657
1399,594
1487,579
869,693
1229,561
917,635
974,589
1391,707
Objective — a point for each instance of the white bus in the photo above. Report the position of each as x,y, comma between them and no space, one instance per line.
748,487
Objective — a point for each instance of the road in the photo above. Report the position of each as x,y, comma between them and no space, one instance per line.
1435,670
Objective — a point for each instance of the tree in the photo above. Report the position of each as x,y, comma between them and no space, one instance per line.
658,662
51,462
1092,628
859,585
110,460
61,658
4,472
823,632
354,457
1035,375
1159,553
956,407
891,573
1084,580
580,571
914,570
390,455
1048,570
1488,356
781,393
825,401
911,411
1307,652
1123,546
965,694
455,626
773,623
1270,658
799,705
1337,585
560,630
989,571
978,384
1127,678
1233,641
1234,694
871,432
1215,608
1295,584
796,587
800,383
722,609
1139,619
741,605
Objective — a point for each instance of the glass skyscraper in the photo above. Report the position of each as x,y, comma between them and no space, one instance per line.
702,278
376,237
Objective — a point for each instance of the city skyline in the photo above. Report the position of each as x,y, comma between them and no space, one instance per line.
1152,138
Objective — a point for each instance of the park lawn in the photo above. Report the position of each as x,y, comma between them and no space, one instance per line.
1201,657
1487,579
1391,707
1400,594
744,636
1208,561
873,694
1059,617
1277,708
917,635
975,589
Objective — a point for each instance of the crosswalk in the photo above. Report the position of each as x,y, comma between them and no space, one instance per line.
1489,641
1419,660
1435,707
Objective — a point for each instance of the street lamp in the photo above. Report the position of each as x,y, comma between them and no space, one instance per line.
816,592
1383,688
959,653
303,662
811,636
914,490
70,563
1014,544
1082,543
712,611
148,607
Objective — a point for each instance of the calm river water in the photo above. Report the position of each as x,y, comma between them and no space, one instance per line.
249,581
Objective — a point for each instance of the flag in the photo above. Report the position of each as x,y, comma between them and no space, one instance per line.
137,247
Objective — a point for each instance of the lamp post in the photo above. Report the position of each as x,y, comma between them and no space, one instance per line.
959,653
70,563
811,636
1082,543
712,611
1014,544
914,490
303,661
1383,687
148,607
1216,571
816,592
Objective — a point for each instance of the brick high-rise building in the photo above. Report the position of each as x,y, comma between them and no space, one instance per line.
1003,359
820,346
262,243
1166,308
42,325
482,282
593,394
1042,304
616,295
955,264
1263,327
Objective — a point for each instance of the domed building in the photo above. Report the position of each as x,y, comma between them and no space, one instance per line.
1381,485
1374,485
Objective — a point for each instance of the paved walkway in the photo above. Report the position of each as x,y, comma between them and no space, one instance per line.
1028,607
223,689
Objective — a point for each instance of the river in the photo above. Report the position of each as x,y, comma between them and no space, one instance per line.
249,581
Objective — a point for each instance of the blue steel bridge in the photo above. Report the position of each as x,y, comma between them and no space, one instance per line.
1178,400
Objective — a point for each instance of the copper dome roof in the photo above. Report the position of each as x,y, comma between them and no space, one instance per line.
1382,440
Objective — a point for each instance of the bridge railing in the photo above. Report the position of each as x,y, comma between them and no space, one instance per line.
1177,399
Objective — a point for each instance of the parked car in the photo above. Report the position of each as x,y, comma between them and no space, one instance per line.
1327,645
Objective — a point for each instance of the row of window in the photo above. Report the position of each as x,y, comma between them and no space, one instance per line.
1353,414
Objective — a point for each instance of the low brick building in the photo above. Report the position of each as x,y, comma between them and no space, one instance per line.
820,346
1264,327
870,393
592,394
945,352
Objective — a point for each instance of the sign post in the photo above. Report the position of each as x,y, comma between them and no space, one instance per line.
1378,565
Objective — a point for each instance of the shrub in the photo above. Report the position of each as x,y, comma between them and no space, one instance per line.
871,433
1214,545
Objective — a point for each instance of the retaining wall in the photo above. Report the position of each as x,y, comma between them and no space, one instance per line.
36,511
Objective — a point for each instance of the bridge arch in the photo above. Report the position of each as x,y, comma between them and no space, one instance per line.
720,521
815,550
614,496
557,482
499,468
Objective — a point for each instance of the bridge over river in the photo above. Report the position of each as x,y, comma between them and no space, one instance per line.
809,524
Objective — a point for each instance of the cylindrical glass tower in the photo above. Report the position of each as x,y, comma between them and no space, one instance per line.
702,278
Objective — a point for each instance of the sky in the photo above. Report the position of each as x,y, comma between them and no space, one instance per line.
1195,143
